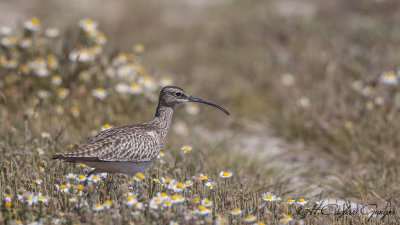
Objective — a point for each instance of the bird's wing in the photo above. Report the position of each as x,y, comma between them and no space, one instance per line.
133,144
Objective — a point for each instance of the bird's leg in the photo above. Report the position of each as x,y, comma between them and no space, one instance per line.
88,175
109,183
136,189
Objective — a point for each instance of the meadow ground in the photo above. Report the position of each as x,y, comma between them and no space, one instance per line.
312,87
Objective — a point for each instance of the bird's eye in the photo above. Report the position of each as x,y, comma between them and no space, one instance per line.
178,94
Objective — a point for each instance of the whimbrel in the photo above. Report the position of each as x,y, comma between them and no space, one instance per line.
131,149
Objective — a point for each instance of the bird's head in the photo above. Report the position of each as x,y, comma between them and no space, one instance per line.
171,96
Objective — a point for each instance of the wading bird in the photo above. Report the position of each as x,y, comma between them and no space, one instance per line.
131,149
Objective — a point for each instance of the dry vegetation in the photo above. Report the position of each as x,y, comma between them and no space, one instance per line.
322,74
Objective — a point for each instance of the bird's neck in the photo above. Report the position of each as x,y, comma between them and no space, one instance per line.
163,118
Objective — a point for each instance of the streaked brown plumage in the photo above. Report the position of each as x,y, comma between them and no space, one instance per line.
131,149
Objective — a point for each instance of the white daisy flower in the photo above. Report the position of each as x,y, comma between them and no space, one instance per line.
250,218
42,198
42,71
71,176
389,78
94,178
31,199
290,201
160,155
135,89
211,185
106,127
236,212
165,81
225,174
268,197
188,183
99,93
5,31
98,207
130,199
52,32
202,210
301,201
186,148
32,24
8,41
176,199
107,204
138,177
63,188
39,151
206,202
122,88
303,102
63,93
43,94
138,48
25,43
87,24
56,80
203,176
45,134
81,178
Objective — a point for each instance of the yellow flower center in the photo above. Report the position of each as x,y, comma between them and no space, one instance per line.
34,20
179,185
211,186
63,186
88,22
79,187
235,210
7,205
42,197
174,197
389,74
202,208
106,126
167,202
107,202
225,174
139,175
142,70
301,200
81,177
129,197
268,197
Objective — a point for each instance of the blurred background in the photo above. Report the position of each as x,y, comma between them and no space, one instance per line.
319,76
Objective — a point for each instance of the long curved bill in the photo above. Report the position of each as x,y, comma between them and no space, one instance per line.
194,99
